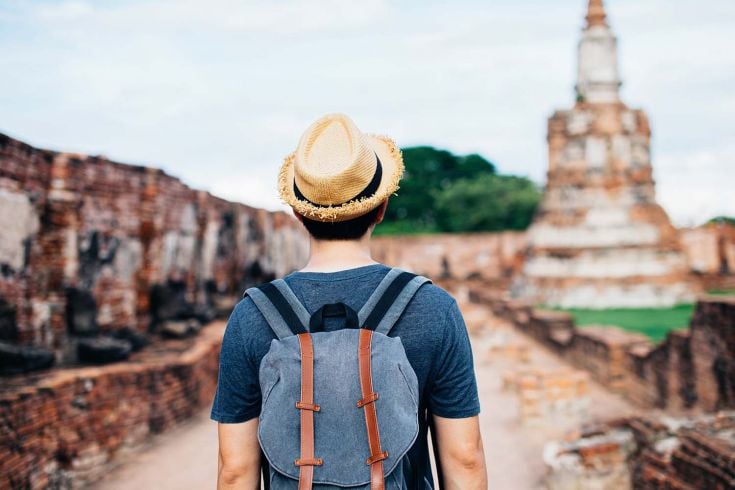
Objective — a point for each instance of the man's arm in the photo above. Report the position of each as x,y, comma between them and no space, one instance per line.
461,453
239,456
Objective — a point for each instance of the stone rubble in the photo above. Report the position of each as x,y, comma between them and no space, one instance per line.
597,461
646,453
549,396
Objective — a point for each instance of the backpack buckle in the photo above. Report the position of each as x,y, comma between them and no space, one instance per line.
377,457
308,462
308,406
368,399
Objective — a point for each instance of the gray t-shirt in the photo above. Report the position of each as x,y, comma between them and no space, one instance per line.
431,329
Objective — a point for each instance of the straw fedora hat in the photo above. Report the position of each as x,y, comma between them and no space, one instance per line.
337,172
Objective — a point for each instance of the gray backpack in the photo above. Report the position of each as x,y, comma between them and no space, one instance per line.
340,408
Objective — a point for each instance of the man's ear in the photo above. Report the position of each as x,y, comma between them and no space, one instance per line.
381,212
298,216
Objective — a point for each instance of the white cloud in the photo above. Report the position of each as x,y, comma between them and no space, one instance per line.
698,185
218,93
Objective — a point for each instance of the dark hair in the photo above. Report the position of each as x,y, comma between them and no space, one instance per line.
351,229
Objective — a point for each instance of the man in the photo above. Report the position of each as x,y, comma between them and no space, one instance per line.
338,182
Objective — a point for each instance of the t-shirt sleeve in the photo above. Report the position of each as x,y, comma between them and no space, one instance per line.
454,387
237,398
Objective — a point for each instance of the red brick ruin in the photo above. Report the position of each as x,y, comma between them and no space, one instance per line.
92,246
102,262
133,254
98,259
690,376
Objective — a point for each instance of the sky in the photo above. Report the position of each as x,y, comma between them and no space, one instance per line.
218,92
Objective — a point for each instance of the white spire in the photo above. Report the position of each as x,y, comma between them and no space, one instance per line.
598,80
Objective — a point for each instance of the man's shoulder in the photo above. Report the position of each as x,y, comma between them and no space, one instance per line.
432,298
247,314
244,306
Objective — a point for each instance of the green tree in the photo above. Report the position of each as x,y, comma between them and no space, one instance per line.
428,169
728,220
487,203
442,192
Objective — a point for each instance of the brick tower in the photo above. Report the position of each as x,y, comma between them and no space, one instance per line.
599,239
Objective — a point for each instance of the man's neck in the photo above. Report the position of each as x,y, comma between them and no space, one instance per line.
337,255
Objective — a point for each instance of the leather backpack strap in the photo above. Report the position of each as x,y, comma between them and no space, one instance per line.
307,461
367,403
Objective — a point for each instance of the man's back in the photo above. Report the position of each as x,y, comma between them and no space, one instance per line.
338,182
431,329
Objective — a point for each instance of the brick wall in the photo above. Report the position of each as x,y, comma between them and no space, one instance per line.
93,246
711,254
497,258
689,369
492,257
713,353
59,429
703,458
91,249
601,351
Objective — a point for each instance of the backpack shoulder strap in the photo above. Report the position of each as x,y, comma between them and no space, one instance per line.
293,301
390,299
369,305
281,308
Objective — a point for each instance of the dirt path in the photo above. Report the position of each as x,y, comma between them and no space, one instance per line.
514,451
185,458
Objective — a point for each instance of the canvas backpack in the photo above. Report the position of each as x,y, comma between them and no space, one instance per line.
340,408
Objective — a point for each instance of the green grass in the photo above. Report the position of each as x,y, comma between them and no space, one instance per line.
653,322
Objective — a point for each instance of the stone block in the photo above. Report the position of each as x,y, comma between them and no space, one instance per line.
598,461
103,350
16,359
713,352
548,397
137,339
178,329
169,301
8,322
19,221
81,312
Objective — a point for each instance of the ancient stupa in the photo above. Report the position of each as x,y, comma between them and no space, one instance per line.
599,239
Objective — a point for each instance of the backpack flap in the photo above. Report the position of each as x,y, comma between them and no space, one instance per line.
340,434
